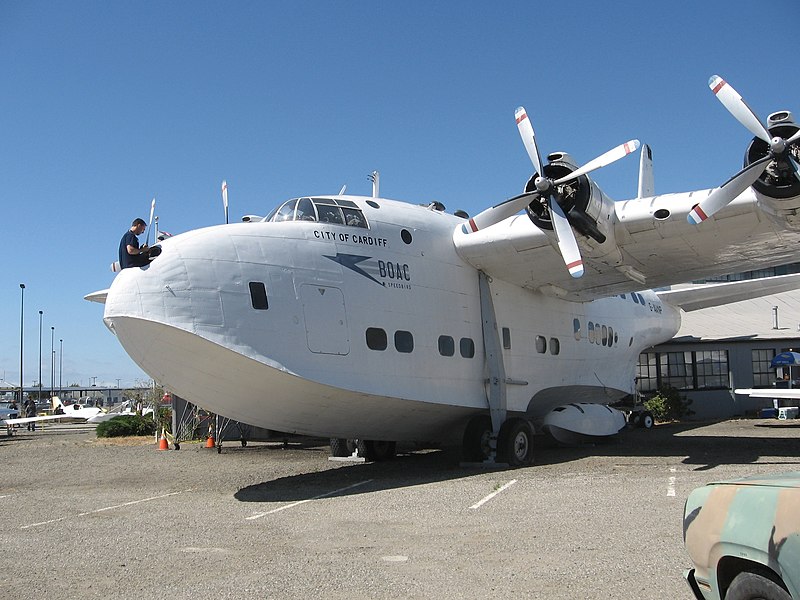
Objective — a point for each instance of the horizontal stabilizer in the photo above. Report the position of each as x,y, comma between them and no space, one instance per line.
717,294
99,296
791,394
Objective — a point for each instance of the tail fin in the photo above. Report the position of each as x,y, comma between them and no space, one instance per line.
646,184
56,402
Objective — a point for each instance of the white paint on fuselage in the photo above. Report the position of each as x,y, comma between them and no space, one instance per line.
303,365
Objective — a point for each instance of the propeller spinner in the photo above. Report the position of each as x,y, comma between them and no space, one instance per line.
778,149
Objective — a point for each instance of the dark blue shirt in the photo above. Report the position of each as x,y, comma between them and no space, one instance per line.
126,260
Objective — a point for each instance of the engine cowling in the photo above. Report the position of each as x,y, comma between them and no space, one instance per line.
586,207
778,188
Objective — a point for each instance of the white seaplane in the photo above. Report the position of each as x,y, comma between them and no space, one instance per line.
361,317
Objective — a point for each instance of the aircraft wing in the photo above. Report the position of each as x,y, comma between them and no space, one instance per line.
789,393
24,420
650,244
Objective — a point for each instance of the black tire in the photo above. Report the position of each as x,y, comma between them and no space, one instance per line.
339,447
647,421
752,586
379,451
475,442
515,443
635,419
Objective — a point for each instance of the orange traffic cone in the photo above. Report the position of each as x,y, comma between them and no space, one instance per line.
210,442
162,443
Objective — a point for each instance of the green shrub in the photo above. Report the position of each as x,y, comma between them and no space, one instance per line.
669,405
127,425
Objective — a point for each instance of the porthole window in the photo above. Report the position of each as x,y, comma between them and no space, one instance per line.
447,345
405,235
591,332
555,346
376,339
403,341
467,347
506,338
576,328
610,337
258,295
541,344
605,335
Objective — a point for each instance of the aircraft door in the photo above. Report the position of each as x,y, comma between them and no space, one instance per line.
326,321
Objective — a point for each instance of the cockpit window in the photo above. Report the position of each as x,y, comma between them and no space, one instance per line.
285,212
324,210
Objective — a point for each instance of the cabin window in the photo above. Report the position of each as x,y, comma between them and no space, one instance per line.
325,210
376,339
506,338
404,341
610,336
576,328
591,332
555,346
285,212
330,214
467,347
605,335
258,295
541,344
447,345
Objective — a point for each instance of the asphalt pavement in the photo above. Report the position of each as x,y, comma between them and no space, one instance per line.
87,518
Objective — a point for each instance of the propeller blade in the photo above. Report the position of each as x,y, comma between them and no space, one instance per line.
567,244
604,159
731,100
497,213
528,138
723,195
794,138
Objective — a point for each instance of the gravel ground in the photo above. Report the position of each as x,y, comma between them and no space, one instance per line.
87,518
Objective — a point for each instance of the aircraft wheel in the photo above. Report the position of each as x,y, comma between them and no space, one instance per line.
339,447
379,450
515,443
475,444
634,419
647,420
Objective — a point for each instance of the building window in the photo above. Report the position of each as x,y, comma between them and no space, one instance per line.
711,369
258,295
763,373
447,345
376,339
404,341
676,370
647,372
506,338
467,347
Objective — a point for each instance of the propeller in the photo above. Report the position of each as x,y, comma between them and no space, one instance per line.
547,188
778,148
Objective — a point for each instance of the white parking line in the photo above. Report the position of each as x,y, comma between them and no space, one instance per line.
299,502
99,510
493,494
672,480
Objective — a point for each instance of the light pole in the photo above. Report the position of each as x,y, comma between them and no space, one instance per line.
40,355
52,361
21,314
60,366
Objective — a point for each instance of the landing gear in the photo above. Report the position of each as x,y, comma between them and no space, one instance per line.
646,420
380,451
371,450
515,443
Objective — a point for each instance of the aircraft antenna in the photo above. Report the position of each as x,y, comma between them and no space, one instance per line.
375,178
152,209
225,199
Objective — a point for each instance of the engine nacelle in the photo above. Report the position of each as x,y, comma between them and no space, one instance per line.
587,208
778,188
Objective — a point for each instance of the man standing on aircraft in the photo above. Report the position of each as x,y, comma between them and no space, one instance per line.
130,254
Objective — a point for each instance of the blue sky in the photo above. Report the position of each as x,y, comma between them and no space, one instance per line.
106,105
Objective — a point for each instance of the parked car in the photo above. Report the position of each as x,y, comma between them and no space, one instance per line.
743,537
6,412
